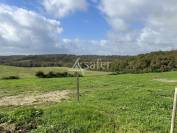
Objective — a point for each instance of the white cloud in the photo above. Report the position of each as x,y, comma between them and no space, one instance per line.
23,31
26,32
97,47
61,8
137,26
148,24
78,46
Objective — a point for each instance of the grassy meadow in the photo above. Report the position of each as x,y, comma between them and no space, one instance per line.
129,103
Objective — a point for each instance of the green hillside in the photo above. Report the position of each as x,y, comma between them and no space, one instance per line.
130,103
150,62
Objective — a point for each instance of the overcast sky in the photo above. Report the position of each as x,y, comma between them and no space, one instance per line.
103,27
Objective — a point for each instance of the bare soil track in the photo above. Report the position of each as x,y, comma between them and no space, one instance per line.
166,80
31,99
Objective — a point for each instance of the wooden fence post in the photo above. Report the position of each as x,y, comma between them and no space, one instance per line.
78,94
173,119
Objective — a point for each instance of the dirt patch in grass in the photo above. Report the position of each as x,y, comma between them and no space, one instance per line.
166,80
55,96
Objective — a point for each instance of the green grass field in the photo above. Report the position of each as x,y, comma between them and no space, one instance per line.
130,103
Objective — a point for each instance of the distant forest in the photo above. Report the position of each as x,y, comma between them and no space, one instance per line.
151,62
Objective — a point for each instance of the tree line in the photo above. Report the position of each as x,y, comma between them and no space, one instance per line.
151,62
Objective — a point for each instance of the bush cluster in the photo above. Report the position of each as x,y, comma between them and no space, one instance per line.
11,77
41,74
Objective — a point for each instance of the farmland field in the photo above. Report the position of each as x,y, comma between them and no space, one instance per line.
129,103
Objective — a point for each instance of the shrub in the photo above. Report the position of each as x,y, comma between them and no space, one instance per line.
55,74
26,119
3,118
75,74
11,77
40,74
